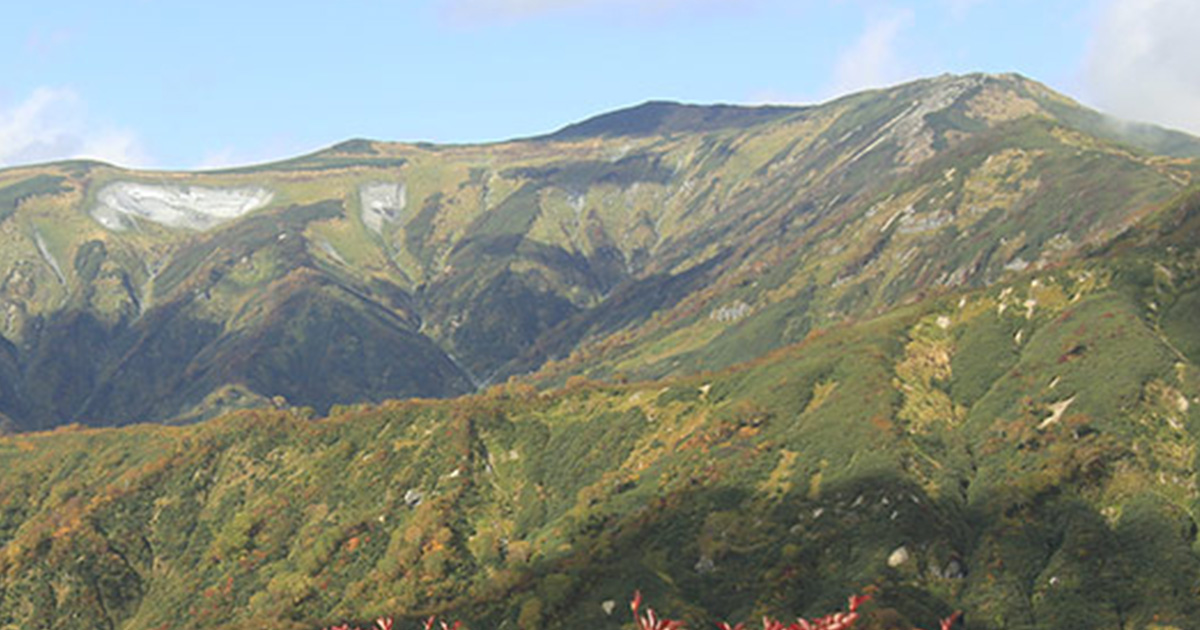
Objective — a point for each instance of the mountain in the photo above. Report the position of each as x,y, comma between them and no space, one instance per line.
627,245
937,342
1024,452
657,118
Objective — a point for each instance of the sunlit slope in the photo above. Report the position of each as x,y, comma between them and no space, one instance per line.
647,242
1024,452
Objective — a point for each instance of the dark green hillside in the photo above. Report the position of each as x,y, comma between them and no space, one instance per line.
11,196
245,306
1024,452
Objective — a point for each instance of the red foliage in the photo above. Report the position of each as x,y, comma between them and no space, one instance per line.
948,622
383,623
832,621
649,620
430,621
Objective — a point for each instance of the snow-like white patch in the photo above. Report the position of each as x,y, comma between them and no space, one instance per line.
382,203
1030,304
120,204
730,312
332,251
48,257
1017,264
1056,412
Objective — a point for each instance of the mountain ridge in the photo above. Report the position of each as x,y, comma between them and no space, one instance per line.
665,117
699,117
505,256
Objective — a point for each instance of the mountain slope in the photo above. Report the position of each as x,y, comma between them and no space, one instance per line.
1023,452
937,341
647,242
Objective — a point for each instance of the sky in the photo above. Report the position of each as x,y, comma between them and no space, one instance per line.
191,84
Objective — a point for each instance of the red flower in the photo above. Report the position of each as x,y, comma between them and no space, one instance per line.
773,624
948,622
650,620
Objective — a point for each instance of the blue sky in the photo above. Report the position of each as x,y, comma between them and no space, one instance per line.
188,84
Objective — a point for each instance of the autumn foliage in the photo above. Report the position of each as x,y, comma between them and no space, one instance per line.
647,619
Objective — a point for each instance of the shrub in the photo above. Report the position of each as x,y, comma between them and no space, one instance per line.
649,620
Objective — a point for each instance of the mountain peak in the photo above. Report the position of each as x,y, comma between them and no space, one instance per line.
664,117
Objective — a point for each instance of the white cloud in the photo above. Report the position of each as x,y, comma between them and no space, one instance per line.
53,124
1143,60
872,60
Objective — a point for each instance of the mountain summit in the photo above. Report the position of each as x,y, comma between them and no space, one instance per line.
665,117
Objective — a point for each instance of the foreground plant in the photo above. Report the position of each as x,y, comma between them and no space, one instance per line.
832,621
649,620
387,623
383,623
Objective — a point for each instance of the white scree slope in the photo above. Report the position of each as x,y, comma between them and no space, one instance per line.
186,207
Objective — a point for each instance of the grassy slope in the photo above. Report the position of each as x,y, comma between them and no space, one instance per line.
608,253
1028,438
775,486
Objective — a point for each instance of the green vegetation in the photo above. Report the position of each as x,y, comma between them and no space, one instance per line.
656,241
778,484
12,195
937,343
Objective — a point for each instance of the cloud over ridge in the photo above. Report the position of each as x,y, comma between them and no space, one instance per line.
873,60
53,123
1143,60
